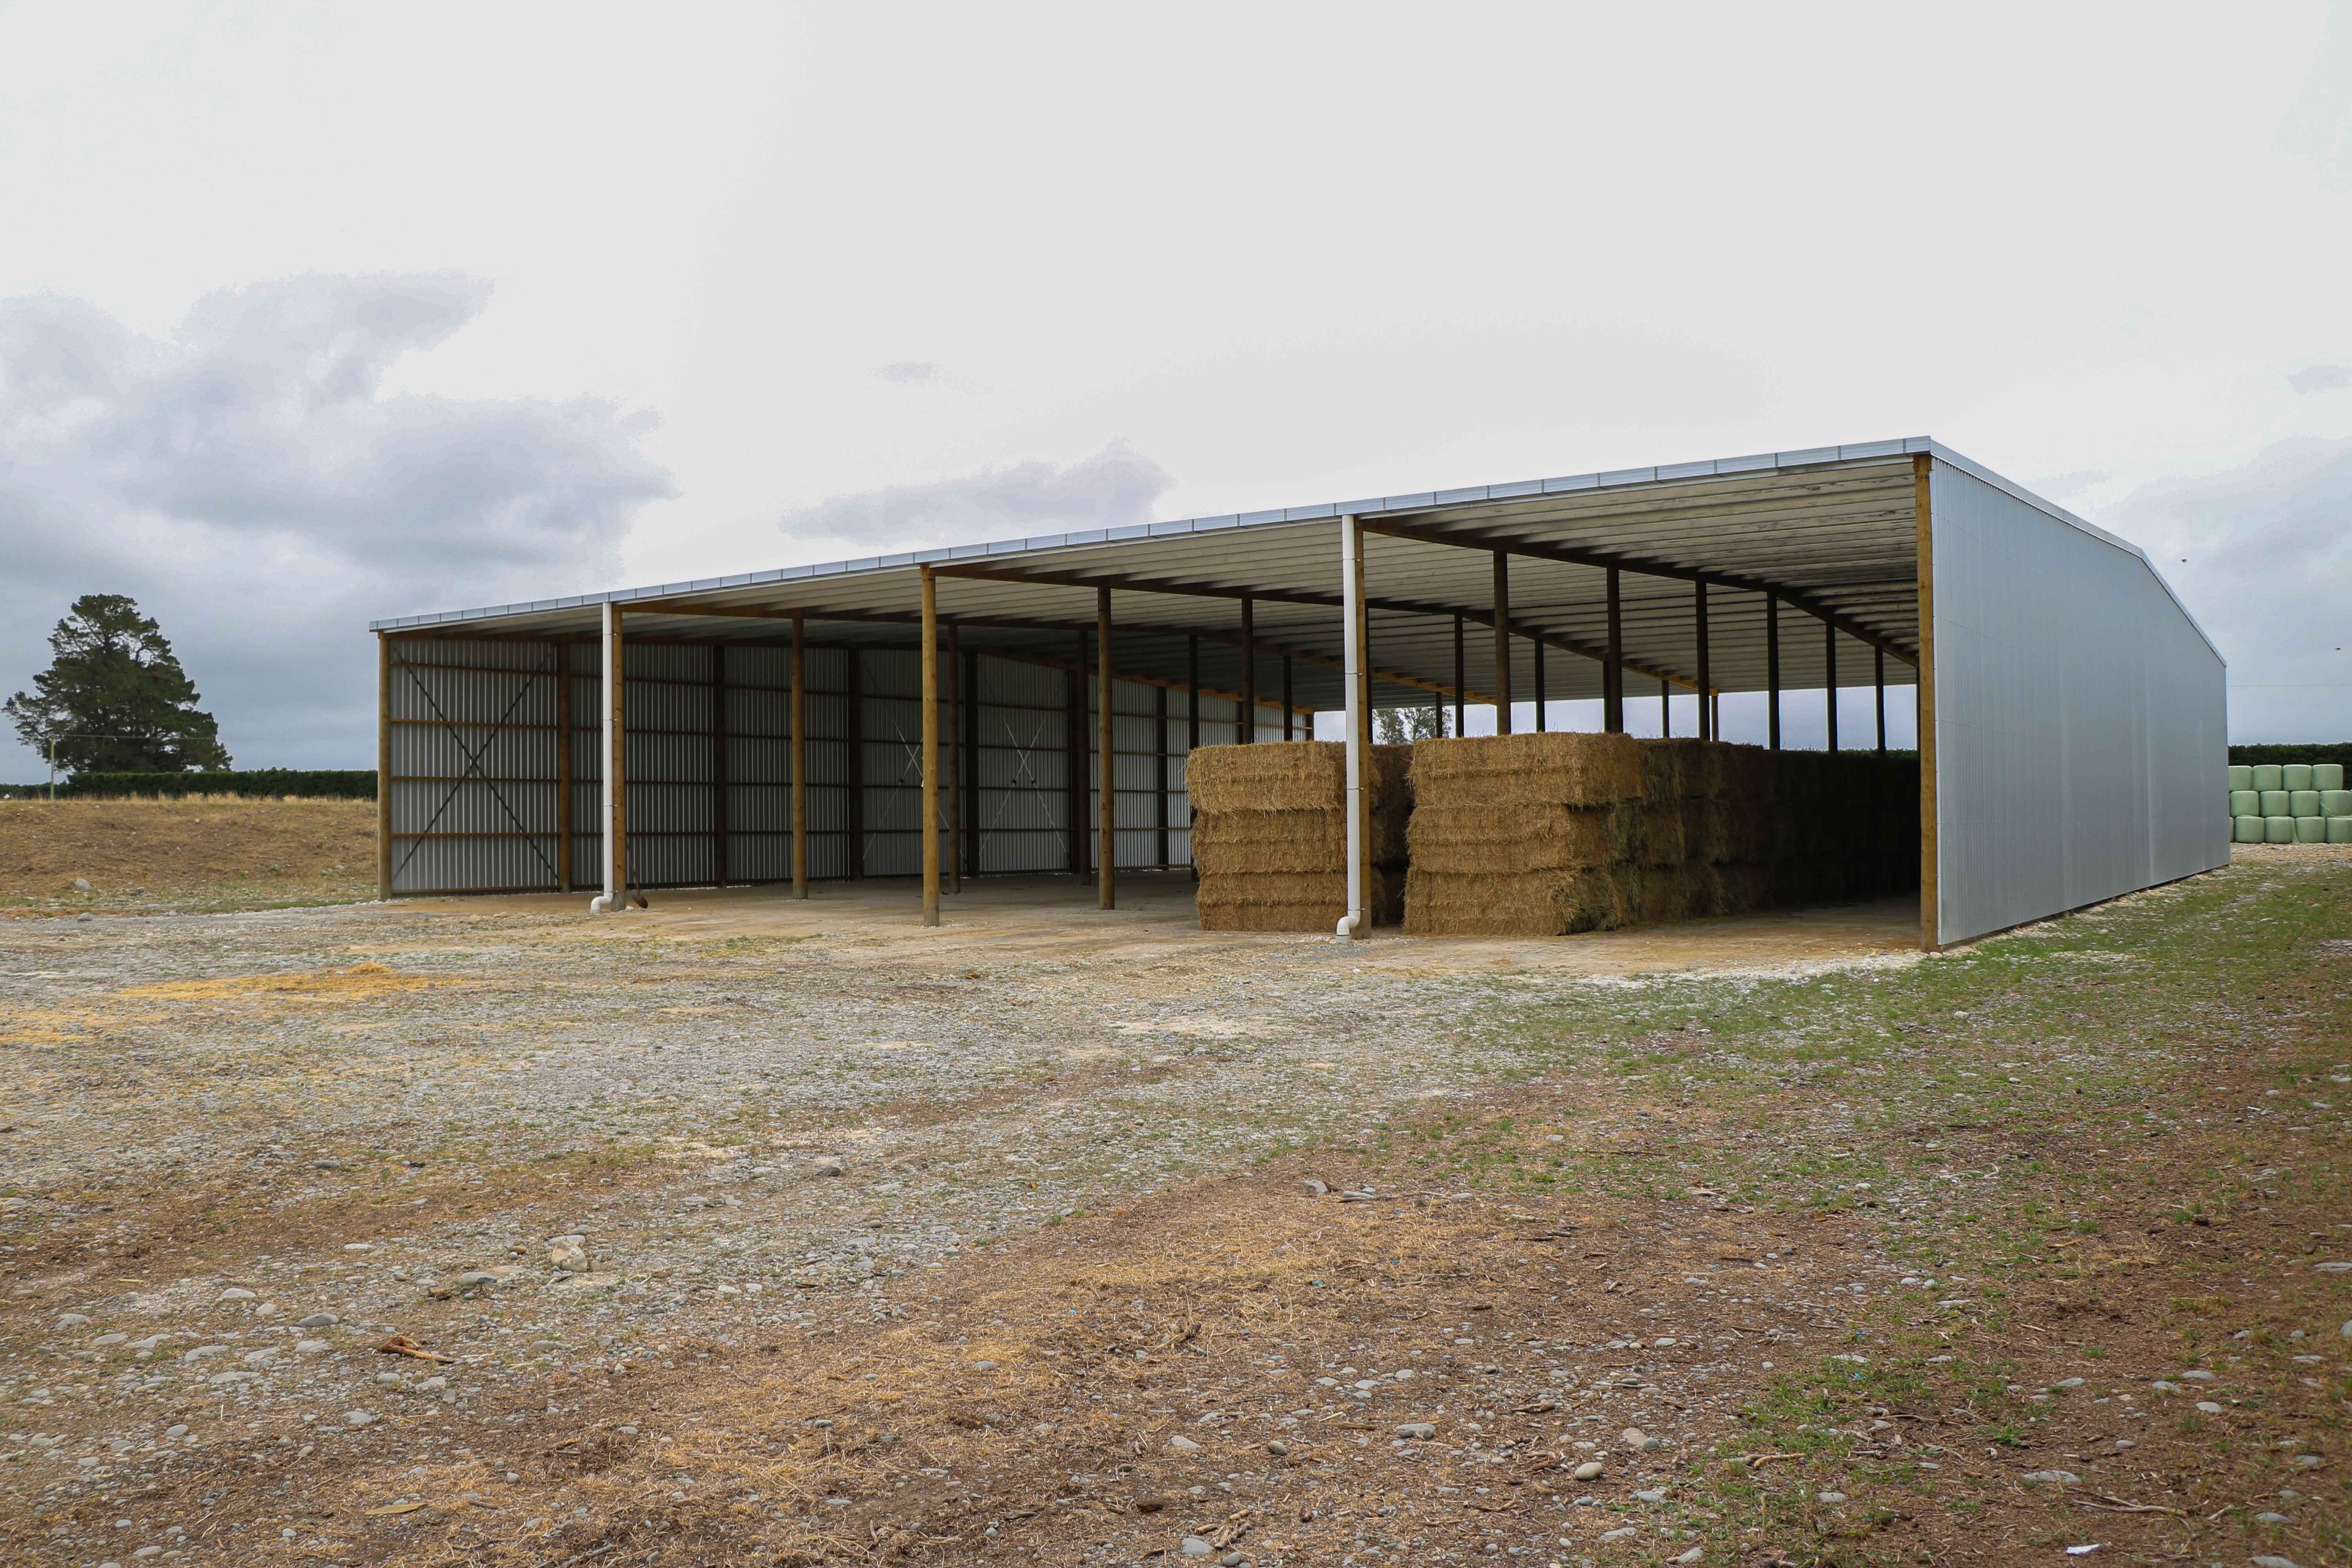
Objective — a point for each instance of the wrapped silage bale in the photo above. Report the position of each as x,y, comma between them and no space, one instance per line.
2304,802
2247,829
2278,829
2340,830
2311,830
2245,803
2276,803
2266,777
2295,776
2240,777
2328,775
2334,802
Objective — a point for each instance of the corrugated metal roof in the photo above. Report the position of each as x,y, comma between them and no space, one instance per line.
1831,529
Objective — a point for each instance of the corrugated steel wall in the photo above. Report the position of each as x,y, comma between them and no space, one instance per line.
2081,740
475,776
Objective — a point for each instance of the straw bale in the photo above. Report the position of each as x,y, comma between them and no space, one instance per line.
1297,775
1518,770
1293,901
1679,892
1538,903
1449,839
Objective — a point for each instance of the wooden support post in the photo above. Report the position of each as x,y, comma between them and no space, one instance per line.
1107,747
955,759
563,767
1286,732
382,766
1878,689
1073,695
1160,764
1502,642
1829,679
1192,700
1539,647
856,770
718,836
800,757
1772,670
1705,682
615,768
1460,681
1248,731
929,658
1930,901
1357,923
1612,667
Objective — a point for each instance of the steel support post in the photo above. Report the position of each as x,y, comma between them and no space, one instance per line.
1537,647
1286,732
1159,767
1772,670
1357,923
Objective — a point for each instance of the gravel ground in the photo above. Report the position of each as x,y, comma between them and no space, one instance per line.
673,1201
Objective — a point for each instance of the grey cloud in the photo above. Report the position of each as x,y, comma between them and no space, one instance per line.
1112,487
2262,556
250,481
909,372
2320,378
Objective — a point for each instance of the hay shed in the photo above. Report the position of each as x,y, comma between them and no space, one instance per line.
787,727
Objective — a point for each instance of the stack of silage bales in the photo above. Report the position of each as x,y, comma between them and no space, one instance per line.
2289,803
1549,834
1270,834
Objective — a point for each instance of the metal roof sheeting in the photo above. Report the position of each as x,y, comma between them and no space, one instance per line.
1833,526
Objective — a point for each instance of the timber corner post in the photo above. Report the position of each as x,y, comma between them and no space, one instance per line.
383,767
1931,909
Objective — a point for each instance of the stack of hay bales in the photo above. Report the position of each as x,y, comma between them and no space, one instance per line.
2289,803
1525,835
1549,834
1270,834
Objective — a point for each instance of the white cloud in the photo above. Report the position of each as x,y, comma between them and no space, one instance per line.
1112,487
2320,378
909,372
250,480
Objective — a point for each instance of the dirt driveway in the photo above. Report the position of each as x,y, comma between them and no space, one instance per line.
744,1231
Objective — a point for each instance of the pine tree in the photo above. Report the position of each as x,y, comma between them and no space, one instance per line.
115,699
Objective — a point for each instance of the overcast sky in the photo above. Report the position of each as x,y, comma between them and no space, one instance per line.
311,314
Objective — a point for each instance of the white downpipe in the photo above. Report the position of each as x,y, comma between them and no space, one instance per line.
1356,922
